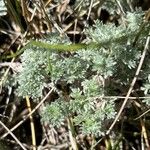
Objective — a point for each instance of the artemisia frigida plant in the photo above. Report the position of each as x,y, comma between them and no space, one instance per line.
101,67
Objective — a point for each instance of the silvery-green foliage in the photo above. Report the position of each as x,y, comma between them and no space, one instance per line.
92,73
99,61
117,56
54,113
105,33
31,78
36,66
147,100
68,69
91,113
92,117
104,65
109,33
3,9
91,87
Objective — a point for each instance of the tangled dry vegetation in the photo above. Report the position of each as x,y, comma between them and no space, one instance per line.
74,74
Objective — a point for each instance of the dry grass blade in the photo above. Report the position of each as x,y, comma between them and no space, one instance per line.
15,138
38,105
31,123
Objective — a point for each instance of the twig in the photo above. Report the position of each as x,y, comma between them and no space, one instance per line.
90,8
120,7
142,114
15,138
132,85
37,106
144,133
7,100
31,123
92,148
72,134
130,5
56,147
15,66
